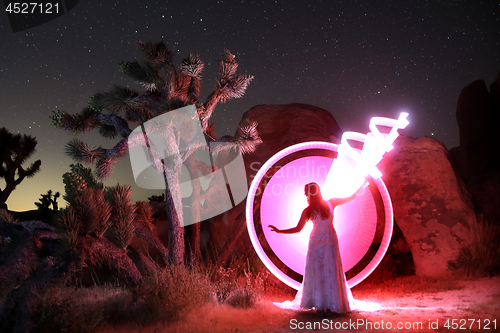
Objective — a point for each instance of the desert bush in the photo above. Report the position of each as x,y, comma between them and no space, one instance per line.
481,257
169,292
163,296
157,198
59,311
266,283
240,285
224,283
244,296
6,216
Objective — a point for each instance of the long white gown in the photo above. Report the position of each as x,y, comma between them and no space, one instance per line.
324,284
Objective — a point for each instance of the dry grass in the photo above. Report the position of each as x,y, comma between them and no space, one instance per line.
70,309
171,302
167,294
211,317
407,300
230,296
239,298
482,256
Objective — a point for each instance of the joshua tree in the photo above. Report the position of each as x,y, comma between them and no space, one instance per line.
48,200
48,206
14,151
168,87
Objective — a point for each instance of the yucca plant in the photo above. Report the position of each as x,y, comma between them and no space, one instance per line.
103,212
85,223
144,214
145,229
122,214
77,180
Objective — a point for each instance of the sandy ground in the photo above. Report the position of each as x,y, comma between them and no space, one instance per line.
471,306
457,306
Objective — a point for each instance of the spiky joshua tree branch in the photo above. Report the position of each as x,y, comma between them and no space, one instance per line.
14,151
167,87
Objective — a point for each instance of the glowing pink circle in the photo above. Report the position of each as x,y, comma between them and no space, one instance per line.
283,200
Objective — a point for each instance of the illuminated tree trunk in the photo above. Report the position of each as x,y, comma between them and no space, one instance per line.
195,208
175,219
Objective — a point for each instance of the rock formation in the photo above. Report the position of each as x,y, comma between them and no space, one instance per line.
430,204
281,126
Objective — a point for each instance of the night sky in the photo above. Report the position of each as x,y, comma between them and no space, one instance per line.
356,59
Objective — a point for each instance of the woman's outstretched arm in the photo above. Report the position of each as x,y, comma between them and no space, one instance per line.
339,201
298,228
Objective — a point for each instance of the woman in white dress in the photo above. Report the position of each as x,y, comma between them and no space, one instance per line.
324,284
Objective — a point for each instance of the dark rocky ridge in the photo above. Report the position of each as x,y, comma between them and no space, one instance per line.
477,160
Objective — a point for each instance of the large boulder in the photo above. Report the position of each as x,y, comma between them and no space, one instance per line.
430,205
279,126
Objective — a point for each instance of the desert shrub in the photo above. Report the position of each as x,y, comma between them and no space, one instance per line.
481,257
244,296
157,198
224,283
266,283
60,311
169,292
6,216
239,285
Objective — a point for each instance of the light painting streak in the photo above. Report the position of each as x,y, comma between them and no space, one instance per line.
352,165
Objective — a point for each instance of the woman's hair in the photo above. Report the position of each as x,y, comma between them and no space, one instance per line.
317,206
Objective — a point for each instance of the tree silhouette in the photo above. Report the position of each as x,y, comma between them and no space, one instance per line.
168,87
47,200
14,151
